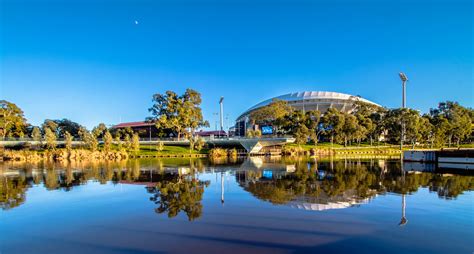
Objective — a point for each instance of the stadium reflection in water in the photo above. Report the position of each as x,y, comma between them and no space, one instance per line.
251,205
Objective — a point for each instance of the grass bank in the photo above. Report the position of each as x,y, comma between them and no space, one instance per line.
336,149
80,154
147,151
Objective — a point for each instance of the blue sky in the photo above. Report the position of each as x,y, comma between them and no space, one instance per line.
88,61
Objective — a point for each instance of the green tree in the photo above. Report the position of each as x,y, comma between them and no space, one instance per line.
272,114
51,125
426,130
350,127
61,126
89,139
50,138
409,119
301,134
135,143
253,133
99,131
107,141
368,117
459,121
118,142
302,125
333,123
177,113
68,141
126,141
12,121
36,134
199,144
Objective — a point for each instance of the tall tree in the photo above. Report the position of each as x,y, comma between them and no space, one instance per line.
350,127
301,134
68,141
50,138
66,125
135,143
271,114
99,130
181,114
333,124
302,125
426,130
51,125
89,139
36,134
108,139
12,121
312,120
458,117
409,119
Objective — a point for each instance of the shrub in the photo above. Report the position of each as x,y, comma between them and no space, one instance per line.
217,153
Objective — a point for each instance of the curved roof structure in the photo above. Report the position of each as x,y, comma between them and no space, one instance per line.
314,100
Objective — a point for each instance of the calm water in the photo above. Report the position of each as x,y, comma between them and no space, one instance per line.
248,206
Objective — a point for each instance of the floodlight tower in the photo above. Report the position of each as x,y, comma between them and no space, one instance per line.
221,103
404,79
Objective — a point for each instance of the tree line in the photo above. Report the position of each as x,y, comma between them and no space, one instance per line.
448,124
171,113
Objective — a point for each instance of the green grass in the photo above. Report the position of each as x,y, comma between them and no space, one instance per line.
367,146
328,145
167,150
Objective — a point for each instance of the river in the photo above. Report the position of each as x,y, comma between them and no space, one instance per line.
249,205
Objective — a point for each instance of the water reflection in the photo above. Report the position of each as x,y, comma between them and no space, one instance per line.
175,185
174,193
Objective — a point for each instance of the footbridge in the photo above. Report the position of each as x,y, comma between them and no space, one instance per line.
251,145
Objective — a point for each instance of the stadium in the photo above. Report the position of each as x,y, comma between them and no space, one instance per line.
305,101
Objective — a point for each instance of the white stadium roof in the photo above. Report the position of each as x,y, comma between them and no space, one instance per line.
309,95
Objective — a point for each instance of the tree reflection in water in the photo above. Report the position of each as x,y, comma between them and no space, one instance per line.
346,181
290,182
174,193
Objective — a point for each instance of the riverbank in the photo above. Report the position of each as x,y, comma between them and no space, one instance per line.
152,151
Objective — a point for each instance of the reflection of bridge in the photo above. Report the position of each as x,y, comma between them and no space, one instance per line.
251,145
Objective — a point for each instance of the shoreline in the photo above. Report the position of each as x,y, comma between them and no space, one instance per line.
79,154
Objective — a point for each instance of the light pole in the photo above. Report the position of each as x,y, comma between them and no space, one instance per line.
149,133
221,104
227,124
404,79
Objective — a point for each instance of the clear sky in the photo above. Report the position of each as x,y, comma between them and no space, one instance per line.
89,60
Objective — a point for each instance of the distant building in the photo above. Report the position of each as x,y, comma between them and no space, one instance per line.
211,133
304,101
144,129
